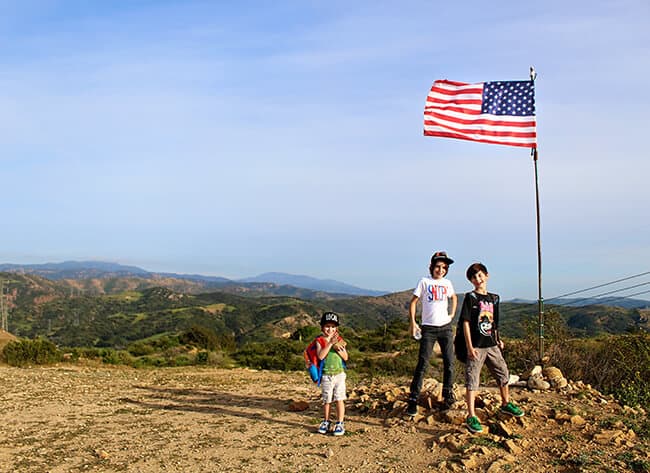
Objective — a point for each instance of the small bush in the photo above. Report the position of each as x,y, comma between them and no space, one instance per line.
182,360
614,364
109,356
394,364
26,352
202,357
275,355
140,349
220,359
626,359
162,343
306,333
200,337
80,353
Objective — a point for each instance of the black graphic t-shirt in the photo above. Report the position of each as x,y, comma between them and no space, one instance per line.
482,312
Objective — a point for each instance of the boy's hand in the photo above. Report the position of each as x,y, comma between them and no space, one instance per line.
338,343
472,353
415,328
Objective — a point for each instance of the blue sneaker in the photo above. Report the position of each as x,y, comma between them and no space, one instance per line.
339,429
324,427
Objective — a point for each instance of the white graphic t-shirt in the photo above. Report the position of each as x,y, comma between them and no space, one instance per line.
434,294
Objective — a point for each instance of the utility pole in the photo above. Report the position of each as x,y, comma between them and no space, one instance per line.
4,303
3,316
3,307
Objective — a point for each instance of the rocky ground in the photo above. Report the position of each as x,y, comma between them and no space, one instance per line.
71,418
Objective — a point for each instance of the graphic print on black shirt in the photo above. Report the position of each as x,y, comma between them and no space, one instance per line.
482,313
485,318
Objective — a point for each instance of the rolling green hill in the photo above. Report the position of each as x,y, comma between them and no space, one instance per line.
116,312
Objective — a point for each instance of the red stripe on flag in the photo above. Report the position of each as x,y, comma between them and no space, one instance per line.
453,110
431,100
475,121
483,131
462,137
429,110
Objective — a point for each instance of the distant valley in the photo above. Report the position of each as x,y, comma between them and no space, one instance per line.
114,306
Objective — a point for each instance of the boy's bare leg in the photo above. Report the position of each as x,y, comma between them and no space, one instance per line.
470,396
326,410
505,394
340,410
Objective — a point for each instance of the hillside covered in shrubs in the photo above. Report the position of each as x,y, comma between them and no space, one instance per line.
158,326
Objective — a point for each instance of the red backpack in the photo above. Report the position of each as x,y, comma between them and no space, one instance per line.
312,363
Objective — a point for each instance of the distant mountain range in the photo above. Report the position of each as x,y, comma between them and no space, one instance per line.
272,283
100,269
119,308
73,269
307,282
117,311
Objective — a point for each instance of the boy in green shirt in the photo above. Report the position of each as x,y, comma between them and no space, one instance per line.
331,349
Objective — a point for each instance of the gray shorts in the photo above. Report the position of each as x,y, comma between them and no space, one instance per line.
333,387
493,359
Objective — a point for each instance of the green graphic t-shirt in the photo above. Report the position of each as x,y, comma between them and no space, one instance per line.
333,364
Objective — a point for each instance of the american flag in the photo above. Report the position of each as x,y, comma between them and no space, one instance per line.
490,112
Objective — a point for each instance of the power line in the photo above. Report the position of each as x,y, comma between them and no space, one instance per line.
632,295
596,287
609,292
609,299
598,295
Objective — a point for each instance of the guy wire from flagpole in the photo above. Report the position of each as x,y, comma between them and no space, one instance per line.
540,299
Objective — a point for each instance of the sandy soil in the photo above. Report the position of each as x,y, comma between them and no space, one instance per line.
70,418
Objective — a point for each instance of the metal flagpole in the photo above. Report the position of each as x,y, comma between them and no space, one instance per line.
540,299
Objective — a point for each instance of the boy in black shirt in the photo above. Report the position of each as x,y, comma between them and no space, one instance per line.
480,317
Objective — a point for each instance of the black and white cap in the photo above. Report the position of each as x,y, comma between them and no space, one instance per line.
329,317
441,256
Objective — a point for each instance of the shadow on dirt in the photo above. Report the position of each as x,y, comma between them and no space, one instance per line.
203,401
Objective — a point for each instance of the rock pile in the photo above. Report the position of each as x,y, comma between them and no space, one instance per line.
566,417
391,399
542,379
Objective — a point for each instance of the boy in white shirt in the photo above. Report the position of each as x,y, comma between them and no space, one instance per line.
435,293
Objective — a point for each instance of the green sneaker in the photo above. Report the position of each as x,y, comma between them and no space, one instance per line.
511,410
474,425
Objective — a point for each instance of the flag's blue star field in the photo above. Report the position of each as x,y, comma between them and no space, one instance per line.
509,98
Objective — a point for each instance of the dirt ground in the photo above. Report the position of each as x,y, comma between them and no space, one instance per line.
70,418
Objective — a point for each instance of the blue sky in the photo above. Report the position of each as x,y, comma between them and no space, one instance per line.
236,138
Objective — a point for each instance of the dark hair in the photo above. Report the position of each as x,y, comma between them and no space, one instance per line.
440,256
475,268
433,264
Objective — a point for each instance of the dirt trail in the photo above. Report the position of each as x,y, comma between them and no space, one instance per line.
70,418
